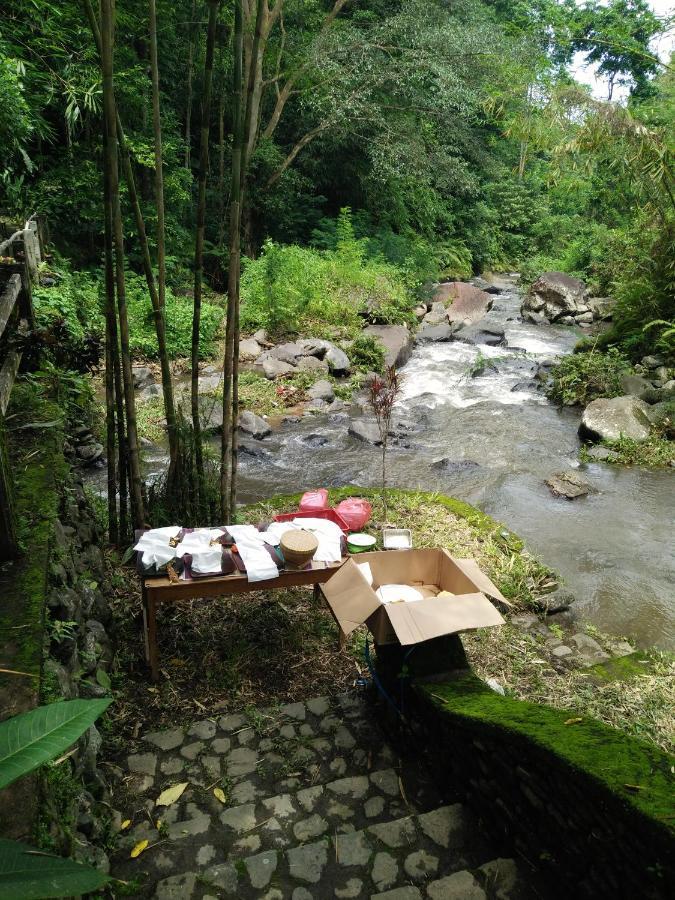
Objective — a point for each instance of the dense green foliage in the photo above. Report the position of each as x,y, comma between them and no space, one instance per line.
291,288
453,131
583,377
70,316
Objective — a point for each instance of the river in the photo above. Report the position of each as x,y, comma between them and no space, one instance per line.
614,549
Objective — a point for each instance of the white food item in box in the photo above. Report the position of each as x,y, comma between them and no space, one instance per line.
398,593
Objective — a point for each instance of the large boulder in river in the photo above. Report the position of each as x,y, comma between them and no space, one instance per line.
557,296
492,335
434,334
254,425
469,303
366,431
609,420
396,340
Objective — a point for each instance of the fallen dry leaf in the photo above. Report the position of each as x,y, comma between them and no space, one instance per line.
219,794
573,721
139,848
125,824
171,794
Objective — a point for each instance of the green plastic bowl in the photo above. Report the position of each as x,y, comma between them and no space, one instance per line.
360,543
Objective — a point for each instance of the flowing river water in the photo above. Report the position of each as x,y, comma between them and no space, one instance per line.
500,439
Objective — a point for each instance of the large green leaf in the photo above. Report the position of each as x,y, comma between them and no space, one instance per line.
33,738
28,874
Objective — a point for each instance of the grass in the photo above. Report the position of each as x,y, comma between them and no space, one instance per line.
639,702
655,451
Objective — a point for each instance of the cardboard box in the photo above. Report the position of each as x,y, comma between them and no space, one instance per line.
354,602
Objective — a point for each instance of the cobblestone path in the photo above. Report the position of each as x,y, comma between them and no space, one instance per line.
317,805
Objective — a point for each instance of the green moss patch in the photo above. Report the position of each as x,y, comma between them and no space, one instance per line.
39,469
637,773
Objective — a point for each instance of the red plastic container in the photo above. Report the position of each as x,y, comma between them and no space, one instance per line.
355,512
329,514
314,501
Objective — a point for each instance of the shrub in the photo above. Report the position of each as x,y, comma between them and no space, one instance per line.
70,316
143,340
291,289
583,377
367,354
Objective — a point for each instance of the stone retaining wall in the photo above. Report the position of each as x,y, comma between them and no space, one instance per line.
78,654
573,796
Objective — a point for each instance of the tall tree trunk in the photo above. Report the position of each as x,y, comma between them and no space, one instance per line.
110,340
229,420
221,170
160,315
122,455
107,30
188,87
245,110
199,241
157,307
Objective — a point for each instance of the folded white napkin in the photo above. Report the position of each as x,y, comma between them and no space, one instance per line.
250,544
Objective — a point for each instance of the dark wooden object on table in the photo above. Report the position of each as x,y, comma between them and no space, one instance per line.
159,590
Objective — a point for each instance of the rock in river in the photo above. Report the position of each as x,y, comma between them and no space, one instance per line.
569,485
602,454
609,420
558,296
396,340
365,431
251,424
491,335
142,377
451,466
249,348
469,303
434,334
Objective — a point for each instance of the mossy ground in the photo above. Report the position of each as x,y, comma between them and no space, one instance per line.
634,770
39,470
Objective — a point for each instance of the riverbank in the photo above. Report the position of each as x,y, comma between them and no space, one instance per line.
274,648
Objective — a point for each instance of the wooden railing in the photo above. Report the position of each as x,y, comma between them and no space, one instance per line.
20,258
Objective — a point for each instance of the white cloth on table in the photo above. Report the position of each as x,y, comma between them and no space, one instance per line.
251,546
327,533
206,560
155,546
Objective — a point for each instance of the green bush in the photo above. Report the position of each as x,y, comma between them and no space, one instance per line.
70,313
367,354
294,289
583,377
143,340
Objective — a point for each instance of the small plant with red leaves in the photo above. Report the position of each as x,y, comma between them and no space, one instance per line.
383,392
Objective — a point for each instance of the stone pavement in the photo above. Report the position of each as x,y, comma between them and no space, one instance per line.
317,805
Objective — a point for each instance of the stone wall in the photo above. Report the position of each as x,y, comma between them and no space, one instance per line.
573,796
77,816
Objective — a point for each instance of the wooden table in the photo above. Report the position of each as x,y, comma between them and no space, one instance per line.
161,590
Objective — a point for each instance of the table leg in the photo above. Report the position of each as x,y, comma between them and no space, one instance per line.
317,592
150,611
342,639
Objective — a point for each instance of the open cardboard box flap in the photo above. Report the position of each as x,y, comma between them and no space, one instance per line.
353,601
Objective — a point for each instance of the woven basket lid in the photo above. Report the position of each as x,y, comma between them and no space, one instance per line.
300,542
